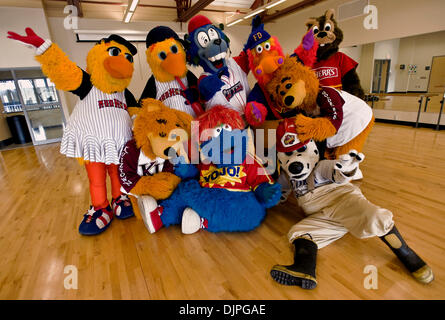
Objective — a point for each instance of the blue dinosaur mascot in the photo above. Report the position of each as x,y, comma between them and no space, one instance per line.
224,81
233,189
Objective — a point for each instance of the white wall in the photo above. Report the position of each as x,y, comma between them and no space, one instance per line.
13,53
353,52
365,67
388,49
418,50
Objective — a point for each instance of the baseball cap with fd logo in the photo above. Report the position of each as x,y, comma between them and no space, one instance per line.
287,138
257,35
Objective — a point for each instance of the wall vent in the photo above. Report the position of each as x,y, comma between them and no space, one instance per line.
351,9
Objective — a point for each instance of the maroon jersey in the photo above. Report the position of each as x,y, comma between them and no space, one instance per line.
134,164
331,105
347,113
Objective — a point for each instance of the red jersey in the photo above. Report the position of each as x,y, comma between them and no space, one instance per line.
244,177
330,72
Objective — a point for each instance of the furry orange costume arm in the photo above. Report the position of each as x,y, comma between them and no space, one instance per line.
159,186
56,65
314,128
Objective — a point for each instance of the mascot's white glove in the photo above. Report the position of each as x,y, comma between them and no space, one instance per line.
346,166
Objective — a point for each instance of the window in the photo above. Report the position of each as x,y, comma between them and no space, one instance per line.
29,93
35,88
9,96
37,91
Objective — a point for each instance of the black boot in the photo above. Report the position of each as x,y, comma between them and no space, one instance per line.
418,268
302,272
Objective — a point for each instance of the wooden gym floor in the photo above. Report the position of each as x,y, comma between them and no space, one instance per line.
45,195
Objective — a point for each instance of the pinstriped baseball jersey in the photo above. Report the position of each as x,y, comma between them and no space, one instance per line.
98,128
170,93
234,92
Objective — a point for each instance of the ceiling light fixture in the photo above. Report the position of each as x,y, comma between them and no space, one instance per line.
130,10
254,13
259,10
234,22
133,5
274,4
128,17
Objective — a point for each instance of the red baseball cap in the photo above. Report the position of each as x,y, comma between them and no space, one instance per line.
198,21
287,138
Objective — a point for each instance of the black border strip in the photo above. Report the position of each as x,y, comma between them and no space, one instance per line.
265,309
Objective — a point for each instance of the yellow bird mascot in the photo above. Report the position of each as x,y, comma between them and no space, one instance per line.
171,83
99,125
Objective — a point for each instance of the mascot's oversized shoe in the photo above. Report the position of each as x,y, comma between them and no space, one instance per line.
415,265
122,207
96,221
192,222
302,272
150,212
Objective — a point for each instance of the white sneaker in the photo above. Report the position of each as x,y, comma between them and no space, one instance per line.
358,175
192,222
147,205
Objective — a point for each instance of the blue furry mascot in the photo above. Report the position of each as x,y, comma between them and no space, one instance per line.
224,81
233,190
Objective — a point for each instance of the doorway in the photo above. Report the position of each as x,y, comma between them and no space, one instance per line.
437,75
380,75
29,93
